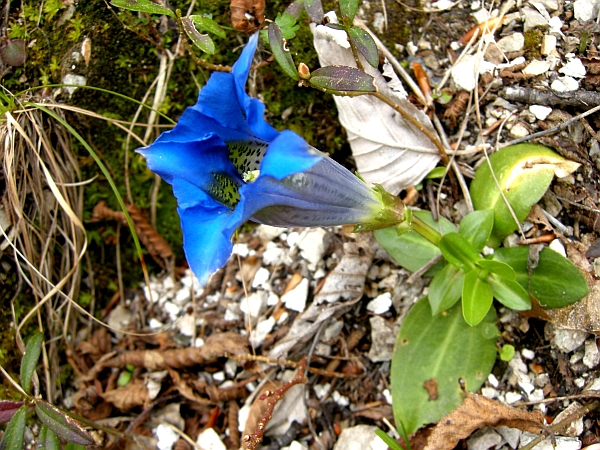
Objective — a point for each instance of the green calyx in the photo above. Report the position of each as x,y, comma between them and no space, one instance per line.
391,213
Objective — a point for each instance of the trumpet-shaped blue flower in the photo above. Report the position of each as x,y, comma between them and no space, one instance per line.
227,165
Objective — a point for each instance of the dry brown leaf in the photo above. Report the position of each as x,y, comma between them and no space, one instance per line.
129,396
585,314
477,412
247,15
216,346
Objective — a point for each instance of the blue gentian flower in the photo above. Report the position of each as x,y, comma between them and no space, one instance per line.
227,165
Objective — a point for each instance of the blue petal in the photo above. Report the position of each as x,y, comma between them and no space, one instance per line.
194,161
207,239
287,154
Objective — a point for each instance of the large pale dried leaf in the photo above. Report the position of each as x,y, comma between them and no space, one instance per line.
387,149
477,412
345,281
129,396
585,314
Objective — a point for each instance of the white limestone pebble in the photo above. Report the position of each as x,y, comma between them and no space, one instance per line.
512,43
210,440
540,112
296,298
380,304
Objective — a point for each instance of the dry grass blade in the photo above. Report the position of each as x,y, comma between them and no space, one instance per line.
43,203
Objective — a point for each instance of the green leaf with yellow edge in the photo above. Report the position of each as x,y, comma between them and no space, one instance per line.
555,282
442,350
411,250
477,297
202,41
145,6
281,52
61,424
365,45
342,79
208,25
524,172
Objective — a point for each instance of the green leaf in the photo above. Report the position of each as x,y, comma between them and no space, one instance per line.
411,250
202,41
145,6
524,172
30,360
510,293
459,252
477,227
281,53
47,440
334,79
71,446
8,408
441,348
499,268
391,443
477,298
65,427
348,9
287,24
507,352
208,25
13,436
365,45
555,282
437,172
445,288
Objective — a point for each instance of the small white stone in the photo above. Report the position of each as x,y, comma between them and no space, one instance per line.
199,342
443,5
321,390
536,67
358,437
533,18
549,45
519,130
240,249
536,396
314,244
292,238
493,380
231,366
166,437
172,310
565,84
585,10
154,388
579,382
540,112
333,330
411,48
510,435
527,354
273,254
295,445
481,16
574,68
261,278
388,396
296,298
592,355
377,443
268,233
527,387
512,43
210,440
558,443
595,386
187,325
219,376
512,397
484,439
255,304
489,392
558,247
340,399
569,340
378,22
380,304
272,299
555,25
260,331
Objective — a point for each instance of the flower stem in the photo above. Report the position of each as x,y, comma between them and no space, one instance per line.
426,231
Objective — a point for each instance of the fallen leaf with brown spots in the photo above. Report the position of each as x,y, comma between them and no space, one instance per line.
477,412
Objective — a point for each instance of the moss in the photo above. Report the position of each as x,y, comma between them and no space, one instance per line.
533,43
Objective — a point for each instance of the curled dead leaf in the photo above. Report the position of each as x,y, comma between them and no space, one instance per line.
129,396
477,412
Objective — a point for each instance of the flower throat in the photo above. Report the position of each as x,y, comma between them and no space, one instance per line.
246,156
